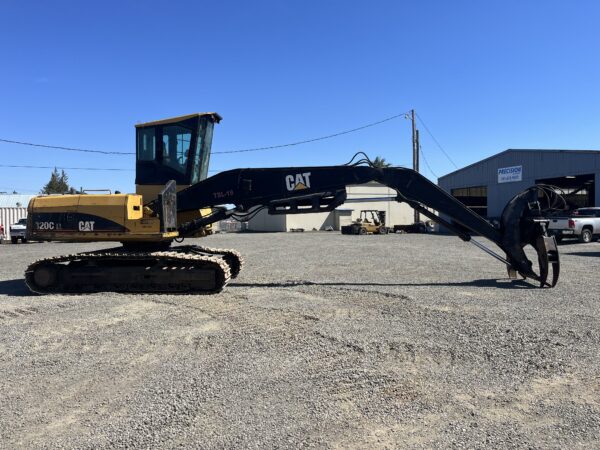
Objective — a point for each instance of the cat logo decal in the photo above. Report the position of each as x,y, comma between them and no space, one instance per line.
297,182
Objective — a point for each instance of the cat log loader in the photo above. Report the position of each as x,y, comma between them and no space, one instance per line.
175,199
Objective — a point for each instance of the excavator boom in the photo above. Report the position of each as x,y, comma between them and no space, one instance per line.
300,190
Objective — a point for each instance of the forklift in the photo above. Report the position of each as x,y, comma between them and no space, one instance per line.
370,221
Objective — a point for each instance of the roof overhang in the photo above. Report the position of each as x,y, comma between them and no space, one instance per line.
216,118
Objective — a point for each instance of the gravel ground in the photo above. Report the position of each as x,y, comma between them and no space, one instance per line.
329,341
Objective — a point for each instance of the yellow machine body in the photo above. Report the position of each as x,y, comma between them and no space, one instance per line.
89,218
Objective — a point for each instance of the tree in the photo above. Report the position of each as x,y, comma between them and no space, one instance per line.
58,184
380,162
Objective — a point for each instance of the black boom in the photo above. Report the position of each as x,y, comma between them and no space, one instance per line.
298,190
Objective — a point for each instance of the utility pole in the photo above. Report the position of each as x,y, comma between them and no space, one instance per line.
415,143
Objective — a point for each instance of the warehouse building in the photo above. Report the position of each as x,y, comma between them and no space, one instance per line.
488,185
396,213
12,208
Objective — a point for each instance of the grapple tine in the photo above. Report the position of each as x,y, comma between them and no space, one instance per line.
540,248
512,273
553,257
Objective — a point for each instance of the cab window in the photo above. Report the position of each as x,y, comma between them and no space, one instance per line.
196,167
176,142
584,212
146,145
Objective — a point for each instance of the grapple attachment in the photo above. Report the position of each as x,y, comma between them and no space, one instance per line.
523,223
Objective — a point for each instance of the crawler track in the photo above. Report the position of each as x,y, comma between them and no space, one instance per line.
184,269
233,258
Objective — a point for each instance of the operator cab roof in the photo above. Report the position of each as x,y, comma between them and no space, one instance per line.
213,116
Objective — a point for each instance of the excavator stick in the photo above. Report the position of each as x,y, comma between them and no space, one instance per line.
522,223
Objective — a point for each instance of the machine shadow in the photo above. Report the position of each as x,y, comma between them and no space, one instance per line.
596,254
15,288
501,284
569,243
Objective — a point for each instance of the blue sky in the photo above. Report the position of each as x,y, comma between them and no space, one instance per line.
484,76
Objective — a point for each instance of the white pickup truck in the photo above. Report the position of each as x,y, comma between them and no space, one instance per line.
19,231
583,224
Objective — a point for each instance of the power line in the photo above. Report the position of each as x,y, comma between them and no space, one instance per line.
255,149
436,141
271,147
67,168
426,162
81,168
9,190
70,149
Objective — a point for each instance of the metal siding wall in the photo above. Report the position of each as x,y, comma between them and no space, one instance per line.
264,222
477,175
9,216
597,184
500,193
541,164
536,165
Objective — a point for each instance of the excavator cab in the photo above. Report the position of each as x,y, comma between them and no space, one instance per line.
173,149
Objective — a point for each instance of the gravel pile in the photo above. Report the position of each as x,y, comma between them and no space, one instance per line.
324,341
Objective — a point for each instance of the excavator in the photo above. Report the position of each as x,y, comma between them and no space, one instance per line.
176,199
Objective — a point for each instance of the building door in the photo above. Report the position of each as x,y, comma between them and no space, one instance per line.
343,217
578,190
474,197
